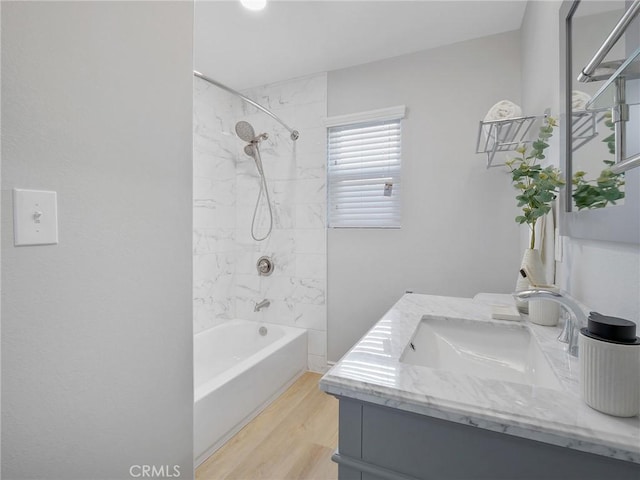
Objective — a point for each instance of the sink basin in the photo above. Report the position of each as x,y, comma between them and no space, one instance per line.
482,349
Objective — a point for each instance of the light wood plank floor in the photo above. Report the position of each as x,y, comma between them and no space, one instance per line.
293,438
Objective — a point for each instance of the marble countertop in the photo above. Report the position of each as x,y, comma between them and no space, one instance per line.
371,371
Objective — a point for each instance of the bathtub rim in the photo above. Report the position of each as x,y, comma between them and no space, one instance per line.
219,380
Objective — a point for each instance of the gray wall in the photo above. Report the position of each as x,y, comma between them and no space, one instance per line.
97,331
0,243
458,233
605,276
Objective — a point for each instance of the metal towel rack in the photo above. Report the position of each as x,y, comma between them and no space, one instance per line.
617,81
504,135
586,75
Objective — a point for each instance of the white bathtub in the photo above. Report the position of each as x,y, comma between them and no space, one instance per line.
238,372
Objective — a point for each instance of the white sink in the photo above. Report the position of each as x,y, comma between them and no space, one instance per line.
481,349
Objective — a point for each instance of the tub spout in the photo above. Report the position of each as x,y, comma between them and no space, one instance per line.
260,305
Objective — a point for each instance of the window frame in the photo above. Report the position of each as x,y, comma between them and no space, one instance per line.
361,120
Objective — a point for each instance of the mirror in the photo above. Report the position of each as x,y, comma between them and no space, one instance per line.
592,132
587,136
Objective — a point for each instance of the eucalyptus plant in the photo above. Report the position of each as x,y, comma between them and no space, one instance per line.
606,188
537,186
600,192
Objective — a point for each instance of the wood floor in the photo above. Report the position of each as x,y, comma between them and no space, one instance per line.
293,438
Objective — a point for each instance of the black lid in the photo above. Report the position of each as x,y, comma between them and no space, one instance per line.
611,329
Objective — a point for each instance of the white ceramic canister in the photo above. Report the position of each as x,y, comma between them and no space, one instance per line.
610,365
545,312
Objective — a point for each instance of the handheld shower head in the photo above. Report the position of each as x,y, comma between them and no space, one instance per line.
245,131
258,160
248,149
252,151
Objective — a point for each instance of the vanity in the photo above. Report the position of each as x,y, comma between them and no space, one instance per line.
411,408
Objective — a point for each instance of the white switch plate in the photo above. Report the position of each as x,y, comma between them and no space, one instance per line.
35,217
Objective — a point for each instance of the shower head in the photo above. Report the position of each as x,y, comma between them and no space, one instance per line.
245,131
248,149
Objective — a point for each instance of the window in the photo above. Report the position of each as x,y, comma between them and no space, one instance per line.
364,152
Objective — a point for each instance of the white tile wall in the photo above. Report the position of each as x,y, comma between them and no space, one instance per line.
226,185
214,207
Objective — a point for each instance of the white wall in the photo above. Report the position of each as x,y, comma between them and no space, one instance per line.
458,233
97,331
226,185
603,275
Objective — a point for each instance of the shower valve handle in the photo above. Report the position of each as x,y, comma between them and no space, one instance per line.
265,266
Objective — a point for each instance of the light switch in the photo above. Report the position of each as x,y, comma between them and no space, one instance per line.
35,217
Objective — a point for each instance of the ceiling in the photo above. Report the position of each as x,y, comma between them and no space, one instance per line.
289,39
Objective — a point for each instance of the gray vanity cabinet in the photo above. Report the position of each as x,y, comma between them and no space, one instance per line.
377,442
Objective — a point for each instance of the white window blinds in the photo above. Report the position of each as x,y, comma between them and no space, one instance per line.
364,174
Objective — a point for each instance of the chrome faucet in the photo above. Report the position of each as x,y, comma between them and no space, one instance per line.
260,305
572,325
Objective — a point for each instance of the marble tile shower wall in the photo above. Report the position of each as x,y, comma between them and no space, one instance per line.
296,176
215,154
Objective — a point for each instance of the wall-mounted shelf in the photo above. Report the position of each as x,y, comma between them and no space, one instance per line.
503,136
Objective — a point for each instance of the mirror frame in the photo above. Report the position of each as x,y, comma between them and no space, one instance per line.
618,223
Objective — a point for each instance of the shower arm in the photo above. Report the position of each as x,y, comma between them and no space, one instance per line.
294,133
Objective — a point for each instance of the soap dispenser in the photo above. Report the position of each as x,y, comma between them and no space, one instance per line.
610,365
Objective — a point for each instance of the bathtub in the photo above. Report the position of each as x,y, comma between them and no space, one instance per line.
238,372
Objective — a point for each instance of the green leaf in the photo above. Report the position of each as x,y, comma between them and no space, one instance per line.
540,145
